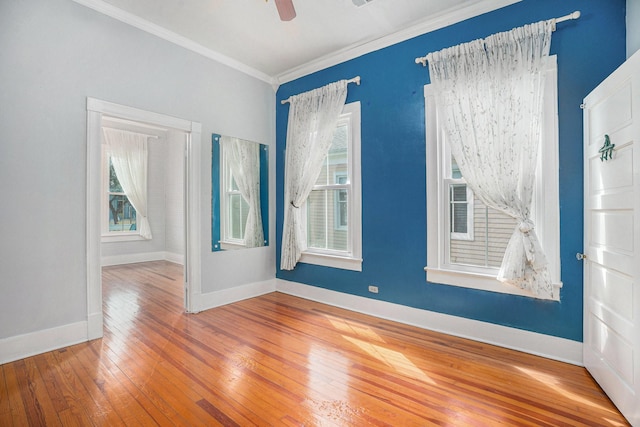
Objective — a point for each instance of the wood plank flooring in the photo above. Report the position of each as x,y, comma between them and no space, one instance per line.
277,360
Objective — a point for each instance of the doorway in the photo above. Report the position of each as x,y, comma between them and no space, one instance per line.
98,113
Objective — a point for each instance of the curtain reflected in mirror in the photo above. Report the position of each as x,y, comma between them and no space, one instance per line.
239,174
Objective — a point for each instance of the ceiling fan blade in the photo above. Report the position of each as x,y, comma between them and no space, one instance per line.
285,9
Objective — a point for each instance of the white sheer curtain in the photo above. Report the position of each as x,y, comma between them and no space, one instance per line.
243,158
489,93
313,117
128,151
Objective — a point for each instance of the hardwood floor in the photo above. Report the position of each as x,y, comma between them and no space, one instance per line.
277,360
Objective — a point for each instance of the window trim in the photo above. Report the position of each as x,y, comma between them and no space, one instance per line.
546,201
107,236
352,258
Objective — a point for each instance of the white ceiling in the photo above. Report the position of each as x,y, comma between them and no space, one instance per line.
249,35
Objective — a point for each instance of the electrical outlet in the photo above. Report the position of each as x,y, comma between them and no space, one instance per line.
373,289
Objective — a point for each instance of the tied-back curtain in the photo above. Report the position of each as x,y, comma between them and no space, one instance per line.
313,117
128,151
243,158
489,93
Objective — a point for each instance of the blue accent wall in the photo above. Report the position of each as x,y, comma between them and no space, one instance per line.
393,164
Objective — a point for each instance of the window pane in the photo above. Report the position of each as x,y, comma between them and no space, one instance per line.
335,165
492,231
327,221
114,184
238,212
338,156
317,219
234,186
459,193
122,216
455,169
458,211
341,209
459,218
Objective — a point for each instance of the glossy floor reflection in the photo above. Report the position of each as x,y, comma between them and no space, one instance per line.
278,360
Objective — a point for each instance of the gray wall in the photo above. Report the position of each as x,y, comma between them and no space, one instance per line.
55,53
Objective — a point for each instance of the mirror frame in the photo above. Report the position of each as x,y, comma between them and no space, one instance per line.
216,192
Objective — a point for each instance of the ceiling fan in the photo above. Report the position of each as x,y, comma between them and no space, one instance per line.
285,9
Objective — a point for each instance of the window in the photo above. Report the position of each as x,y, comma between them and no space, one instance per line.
122,216
466,240
234,206
333,209
119,215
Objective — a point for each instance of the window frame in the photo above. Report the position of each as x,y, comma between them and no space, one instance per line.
351,259
546,202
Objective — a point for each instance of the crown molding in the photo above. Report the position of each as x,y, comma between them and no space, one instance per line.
421,27
170,36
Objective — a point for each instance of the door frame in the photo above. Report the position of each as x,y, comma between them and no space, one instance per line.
96,108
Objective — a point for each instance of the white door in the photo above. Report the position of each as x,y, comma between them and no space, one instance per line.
611,234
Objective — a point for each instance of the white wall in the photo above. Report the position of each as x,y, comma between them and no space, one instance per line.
633,26
55,53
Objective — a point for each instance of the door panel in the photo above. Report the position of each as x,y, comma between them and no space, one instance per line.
612,218
610,229
619,296
615,350
604,177
611,113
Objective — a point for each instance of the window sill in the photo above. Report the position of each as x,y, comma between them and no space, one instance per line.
480,281
108,238
326,260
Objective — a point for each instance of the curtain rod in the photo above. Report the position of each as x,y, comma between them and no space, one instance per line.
575,15
355,80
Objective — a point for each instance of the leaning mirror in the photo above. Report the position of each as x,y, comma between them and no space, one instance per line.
239,193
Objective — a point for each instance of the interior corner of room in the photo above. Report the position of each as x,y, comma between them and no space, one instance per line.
77,67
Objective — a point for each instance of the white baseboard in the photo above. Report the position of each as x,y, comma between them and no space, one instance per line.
142,257
547,346
227,296
21,346
131,258
95,326
174,257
